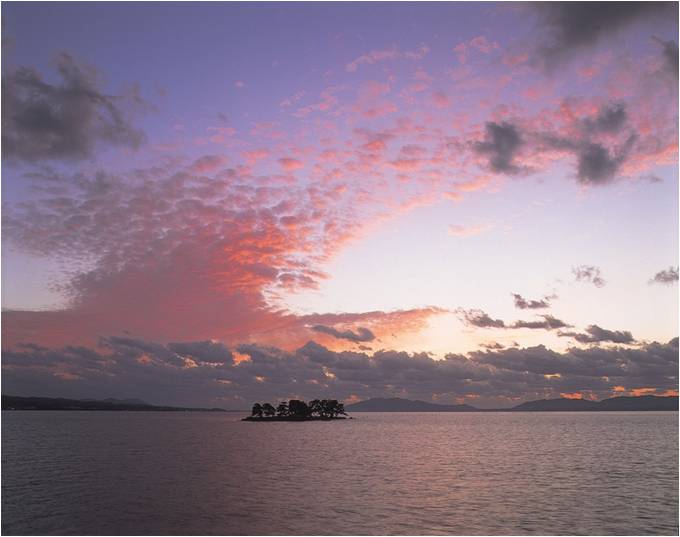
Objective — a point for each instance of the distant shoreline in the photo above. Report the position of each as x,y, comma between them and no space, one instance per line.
642,403
645,403
16,403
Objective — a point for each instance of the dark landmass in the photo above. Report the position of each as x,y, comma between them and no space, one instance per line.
121,401
12,402
293,418
396,404
614,404
556,405
640,403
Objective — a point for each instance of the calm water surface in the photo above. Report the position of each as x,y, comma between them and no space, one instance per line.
425,473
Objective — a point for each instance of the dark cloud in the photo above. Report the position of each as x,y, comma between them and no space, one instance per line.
598,160
585,368
589,273
666,277
524,304
492,346
209,352
362,334
548,323
571,27
595,334
480,319
599,165
669,50
41,121
207,163
203,373
609,119
501,143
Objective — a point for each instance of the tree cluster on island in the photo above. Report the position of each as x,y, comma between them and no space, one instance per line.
320,409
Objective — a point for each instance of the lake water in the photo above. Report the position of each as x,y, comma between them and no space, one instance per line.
425,473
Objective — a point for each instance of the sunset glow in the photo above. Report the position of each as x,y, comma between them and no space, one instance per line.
452,202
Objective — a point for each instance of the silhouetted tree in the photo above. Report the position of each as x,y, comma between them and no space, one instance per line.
257,410
298,408
315,407
282,409
324,408
327,407
340,409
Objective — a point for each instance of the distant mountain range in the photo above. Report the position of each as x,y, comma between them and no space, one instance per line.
404,405
641,403
12,402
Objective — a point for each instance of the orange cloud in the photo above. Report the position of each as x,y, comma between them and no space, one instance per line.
642,391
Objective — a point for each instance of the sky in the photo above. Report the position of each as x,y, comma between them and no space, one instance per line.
222,203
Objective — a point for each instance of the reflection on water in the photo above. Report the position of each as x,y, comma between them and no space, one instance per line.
471,473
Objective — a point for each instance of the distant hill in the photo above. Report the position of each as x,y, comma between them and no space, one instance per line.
123,401
556,405
12,402
641,403
404,405
396,404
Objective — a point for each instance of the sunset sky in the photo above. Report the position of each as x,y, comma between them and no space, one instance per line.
218,203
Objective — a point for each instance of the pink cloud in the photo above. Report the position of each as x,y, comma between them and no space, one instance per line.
290,164
375,146
207,256
221,135
328,101
588,73
375,56
254,156
406,165
267,129
538,91
379,110
482,44
414,151
207,163
479,43
373,89
328,156
514,59
290,101
460,51
439,99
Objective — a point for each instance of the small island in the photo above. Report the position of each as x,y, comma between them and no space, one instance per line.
296,410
